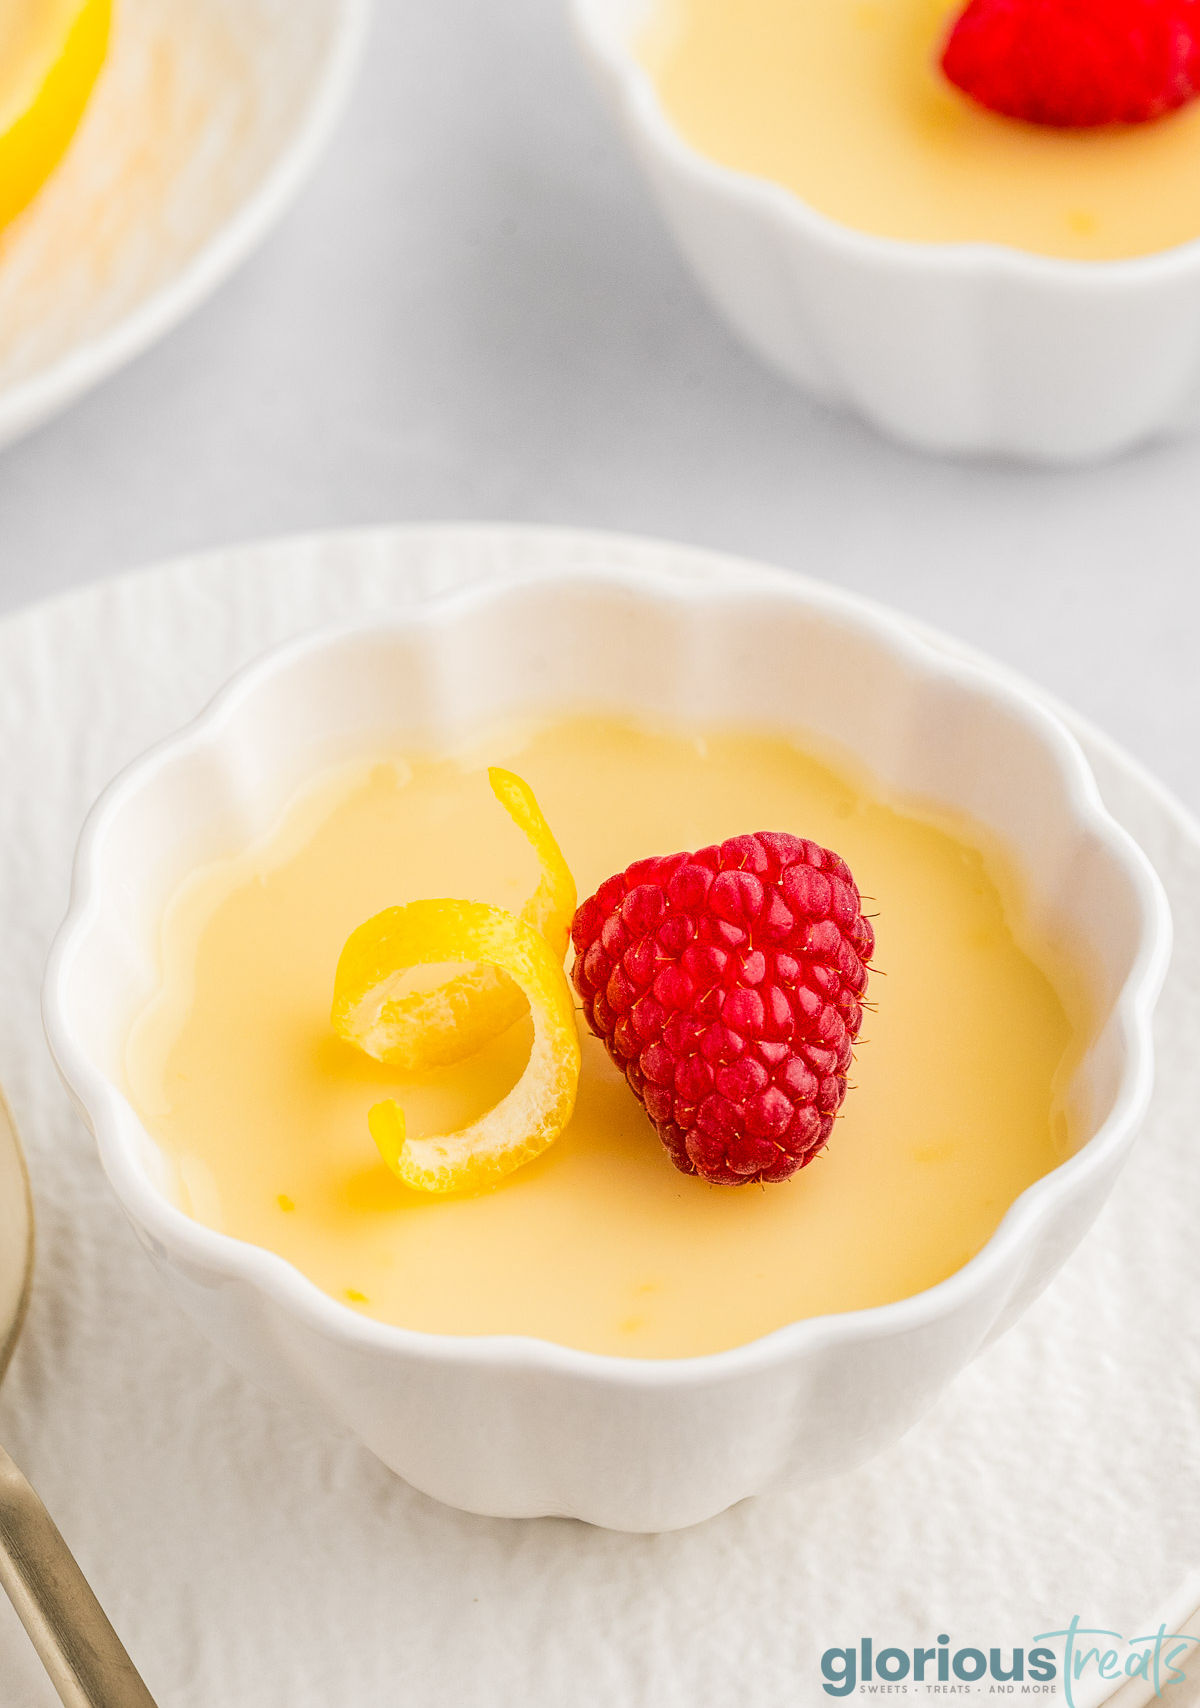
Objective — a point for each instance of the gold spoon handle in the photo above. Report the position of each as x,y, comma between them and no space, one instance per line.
79,1648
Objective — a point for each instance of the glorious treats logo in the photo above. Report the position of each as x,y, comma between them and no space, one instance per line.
1056,1664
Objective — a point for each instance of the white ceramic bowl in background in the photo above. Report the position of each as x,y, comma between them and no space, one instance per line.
515,1426
208,118
964,348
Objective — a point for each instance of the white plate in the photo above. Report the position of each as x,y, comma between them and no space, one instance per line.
208,117
251,1556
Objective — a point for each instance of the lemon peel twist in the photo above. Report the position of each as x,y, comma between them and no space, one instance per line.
412,1030
529,1117
50,58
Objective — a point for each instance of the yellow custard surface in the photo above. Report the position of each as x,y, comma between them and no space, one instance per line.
844,102
600,1244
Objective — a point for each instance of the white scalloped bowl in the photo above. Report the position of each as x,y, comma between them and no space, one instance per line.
959,348
513,1426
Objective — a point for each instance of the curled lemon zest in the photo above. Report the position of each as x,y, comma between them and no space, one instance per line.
433,1028
50,58
529,1117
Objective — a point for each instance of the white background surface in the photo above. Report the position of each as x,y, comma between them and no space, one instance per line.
473,313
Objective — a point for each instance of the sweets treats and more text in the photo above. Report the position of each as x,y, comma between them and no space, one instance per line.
461,1110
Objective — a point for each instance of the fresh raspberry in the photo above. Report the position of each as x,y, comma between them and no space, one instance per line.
1075,63
727,986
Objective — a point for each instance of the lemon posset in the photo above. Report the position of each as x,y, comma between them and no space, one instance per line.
597,1241
846,103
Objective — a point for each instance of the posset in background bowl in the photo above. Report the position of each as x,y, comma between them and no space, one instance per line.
557,1419
967,282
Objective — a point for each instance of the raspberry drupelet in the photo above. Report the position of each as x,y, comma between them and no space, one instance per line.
727,985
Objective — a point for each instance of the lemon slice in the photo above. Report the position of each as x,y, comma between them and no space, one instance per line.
413,1029
51,52
532,1115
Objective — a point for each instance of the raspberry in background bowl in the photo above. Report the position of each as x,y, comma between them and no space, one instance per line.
1023,326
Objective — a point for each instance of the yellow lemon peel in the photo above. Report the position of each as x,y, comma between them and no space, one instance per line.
528,1118
415,1029
51,53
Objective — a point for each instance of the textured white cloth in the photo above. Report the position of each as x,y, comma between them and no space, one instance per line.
255,1558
